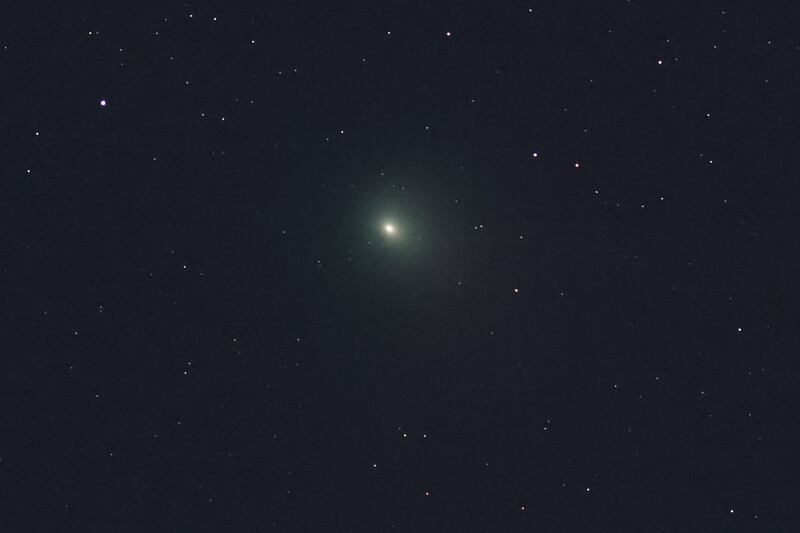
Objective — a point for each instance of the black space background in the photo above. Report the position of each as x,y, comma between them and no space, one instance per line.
343,381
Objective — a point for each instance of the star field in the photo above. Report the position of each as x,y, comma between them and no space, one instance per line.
400,266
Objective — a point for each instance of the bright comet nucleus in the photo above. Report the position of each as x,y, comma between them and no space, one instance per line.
389,229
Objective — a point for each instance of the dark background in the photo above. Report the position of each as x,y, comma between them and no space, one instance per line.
203,328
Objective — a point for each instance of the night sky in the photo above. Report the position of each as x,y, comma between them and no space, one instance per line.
400,266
